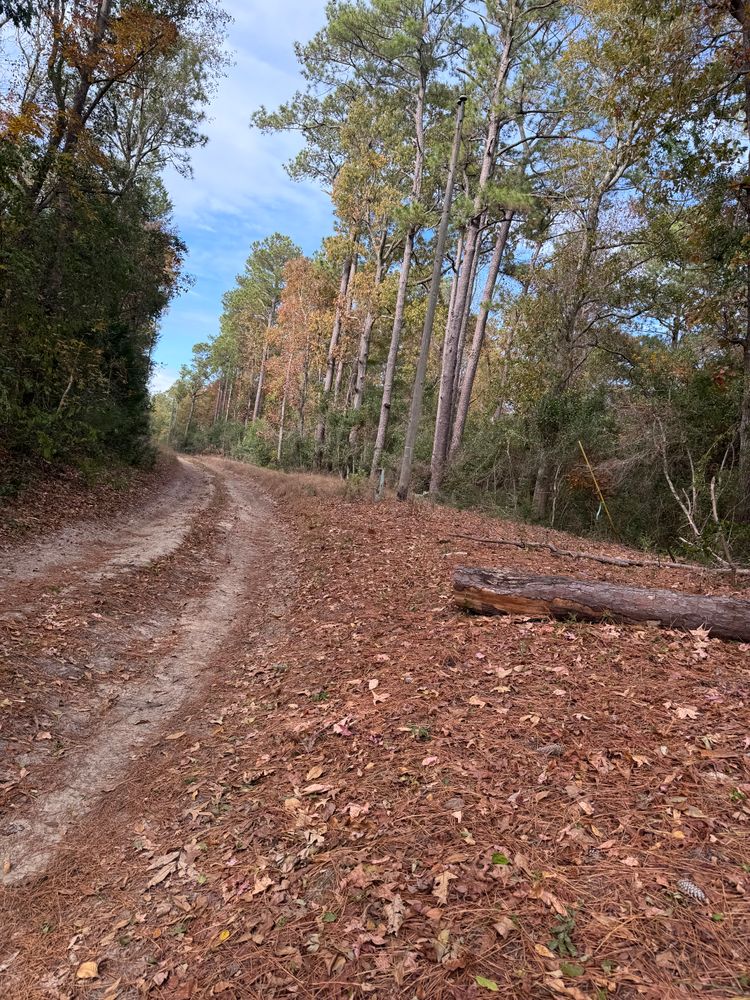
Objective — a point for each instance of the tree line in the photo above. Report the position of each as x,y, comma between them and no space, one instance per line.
97,97
536,296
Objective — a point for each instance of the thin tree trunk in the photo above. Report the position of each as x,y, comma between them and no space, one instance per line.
403,281
261,383
363,353
320,428
744,511
189,421
76,115
217,402
341,362
467,383
415,410
454,280
542,484
462,341
228,400
282,415
739,10
463,291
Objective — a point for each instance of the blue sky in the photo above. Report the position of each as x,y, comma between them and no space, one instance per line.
240,191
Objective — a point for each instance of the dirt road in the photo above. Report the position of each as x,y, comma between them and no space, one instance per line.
249,749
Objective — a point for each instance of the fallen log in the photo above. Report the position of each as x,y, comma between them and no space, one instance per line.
506,591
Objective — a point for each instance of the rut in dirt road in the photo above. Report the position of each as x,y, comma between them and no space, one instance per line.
146,710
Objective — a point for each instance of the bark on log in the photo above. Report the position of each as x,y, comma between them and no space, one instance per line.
506,591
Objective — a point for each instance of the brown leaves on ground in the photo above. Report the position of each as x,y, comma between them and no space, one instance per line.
537,809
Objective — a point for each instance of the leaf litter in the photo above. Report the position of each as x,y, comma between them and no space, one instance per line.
325,855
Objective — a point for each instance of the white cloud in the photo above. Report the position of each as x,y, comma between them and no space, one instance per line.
240,169
240,191
162,378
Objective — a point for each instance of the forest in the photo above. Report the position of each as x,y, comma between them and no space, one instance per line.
398,650
96,99
535,295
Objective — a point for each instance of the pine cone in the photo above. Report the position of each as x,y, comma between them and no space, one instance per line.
689,888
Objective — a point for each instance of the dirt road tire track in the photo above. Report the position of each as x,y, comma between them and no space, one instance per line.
145,710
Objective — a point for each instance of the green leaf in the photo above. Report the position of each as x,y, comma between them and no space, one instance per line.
329,918
488,984
498,858
572,969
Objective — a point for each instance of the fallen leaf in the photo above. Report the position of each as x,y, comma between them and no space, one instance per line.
441,886
88,970
163,873
395,913
630,861
261,884
571,969
504,926
487,984
543,951
686,711
373,683
314,772
175,736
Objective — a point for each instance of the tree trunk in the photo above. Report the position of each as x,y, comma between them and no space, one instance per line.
282,415
542,486
463,290
320,428
76,120
505,591
363,353
739,10
341,361
261,381
460,350
457,271
467,383
403,281
744,511
189,421
415,410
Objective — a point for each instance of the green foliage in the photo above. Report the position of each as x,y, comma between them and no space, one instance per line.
88,257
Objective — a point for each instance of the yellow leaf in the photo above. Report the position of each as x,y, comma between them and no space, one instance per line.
225,935
543,951
88,970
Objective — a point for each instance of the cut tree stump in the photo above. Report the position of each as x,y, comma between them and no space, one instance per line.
506,591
